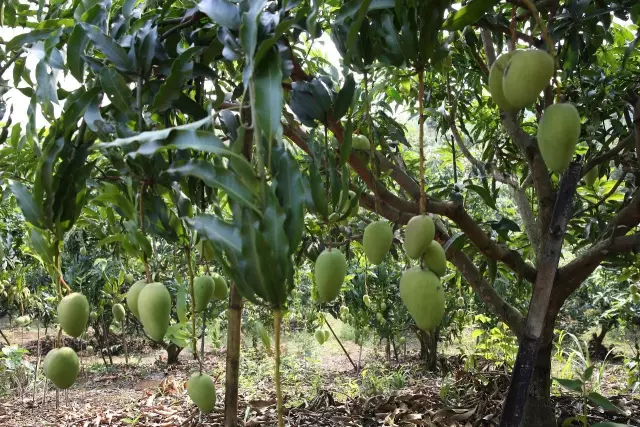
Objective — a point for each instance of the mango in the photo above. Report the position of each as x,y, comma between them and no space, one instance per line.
460,301
118,312
526,74
418,235
360,142
319,334
154,307
202,391
221,290
206,250
495,81
558,133
402,341
330,270
62,367
326,335
132,296
203,289
73,314
423,295
377,240
366,300
435,259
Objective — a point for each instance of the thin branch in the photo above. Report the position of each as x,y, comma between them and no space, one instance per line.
603,198
605,157
10,61
189,22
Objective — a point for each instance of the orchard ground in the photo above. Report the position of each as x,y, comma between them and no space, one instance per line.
321,387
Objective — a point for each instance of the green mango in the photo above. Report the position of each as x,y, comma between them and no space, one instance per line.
460,301
73,314
203,290
418,234
402,341
526,74
360,142
62,367
558,134
154,307
366,300
423,295
202,391
330,270
319,334
435,259
495,80
132,296
118,312
221,290
377,240
326,335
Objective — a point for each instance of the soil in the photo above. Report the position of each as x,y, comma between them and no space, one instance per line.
148,392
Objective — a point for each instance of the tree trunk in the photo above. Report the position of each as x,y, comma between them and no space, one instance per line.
387,350
539,411
429,349
233,358
173,351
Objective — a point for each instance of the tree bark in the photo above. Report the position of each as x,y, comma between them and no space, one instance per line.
173,351
234,318
429,350
540,411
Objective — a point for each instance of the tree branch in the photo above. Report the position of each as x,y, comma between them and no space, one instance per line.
605,157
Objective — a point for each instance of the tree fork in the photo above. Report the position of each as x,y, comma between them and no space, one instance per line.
513,410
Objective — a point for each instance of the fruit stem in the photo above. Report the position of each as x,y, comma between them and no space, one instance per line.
194,339
371,144
276,327
143,184
423,197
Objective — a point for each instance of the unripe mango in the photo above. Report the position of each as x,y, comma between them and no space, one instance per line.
326,335
330,270
203,289
360,142
402,341
460,301
418,235
526,75
435,259
591,176
132,296
62,367
319,334
366,300
377,240
118,312
206,250
423,295
495,80
558,134
202,391
221,289
128,277
154,307
73,314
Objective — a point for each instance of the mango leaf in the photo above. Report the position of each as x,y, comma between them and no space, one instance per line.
484,194
344,98
31,210
222,12
290,193
181,304
75,49
27,38
603,402
218,177
573,385
116,89
350,9
468,14
457,241
77,108
108,47
171,89
354,29
345,148
190,107
217,231
318,192
41,246
269,95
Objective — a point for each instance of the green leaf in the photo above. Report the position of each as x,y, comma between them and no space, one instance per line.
269,95
218,177
27,38
586,375
147,52
217,231
457,241
31,210
603,402
345,148
75,49
108,47
468,14
41,246
222,12
290,192
171,89
190,107
484,194
344,98
77,108
573,385
318,193
354,29
116,89
351,8
181,304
